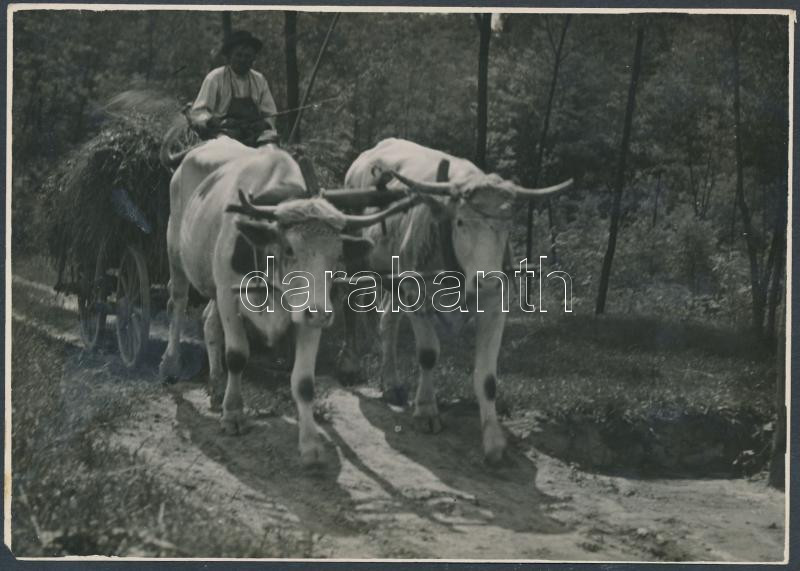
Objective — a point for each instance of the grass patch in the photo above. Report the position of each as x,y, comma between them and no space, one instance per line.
74,495
639,393
561,362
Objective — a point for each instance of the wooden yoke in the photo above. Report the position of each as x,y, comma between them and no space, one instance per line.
443,172
380,185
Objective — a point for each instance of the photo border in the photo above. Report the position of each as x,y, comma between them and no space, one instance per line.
784,7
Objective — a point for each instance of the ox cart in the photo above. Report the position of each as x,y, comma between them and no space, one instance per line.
109,234
119,284
123,277
109,213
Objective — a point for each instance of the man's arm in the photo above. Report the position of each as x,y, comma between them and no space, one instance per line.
204,104
266,103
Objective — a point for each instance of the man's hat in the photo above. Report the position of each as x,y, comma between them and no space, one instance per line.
240,38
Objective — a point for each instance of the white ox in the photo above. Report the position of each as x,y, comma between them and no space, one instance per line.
464,228
212,250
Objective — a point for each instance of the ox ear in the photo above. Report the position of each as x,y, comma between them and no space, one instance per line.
356,249
258,232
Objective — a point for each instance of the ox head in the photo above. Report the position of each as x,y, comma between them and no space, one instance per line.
308,238
479,212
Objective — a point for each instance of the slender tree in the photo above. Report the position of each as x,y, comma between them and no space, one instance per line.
756,284
557,48
620,178
292,73
777,461
152,18
775,265
484,22
655,202
227,26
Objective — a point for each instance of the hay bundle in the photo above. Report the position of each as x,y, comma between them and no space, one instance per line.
84,194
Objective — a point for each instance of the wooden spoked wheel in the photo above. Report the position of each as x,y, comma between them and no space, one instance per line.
92,301
133,306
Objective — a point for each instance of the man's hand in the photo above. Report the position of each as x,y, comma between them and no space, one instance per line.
213,124
264,124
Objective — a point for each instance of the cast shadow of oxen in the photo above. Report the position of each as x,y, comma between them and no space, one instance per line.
265,459
450,465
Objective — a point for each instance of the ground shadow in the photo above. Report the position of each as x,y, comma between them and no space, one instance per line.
507,493
642,333
266,460
709,444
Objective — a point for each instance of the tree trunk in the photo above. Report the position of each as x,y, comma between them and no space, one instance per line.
655,203
777,461
692,183
708,187
152,18
777,271
620,178
407,103
292,73
356,144
757,289
485,29
227,26
540,151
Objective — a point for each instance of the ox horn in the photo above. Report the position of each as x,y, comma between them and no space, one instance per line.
523,192
246,206
354,222
438,188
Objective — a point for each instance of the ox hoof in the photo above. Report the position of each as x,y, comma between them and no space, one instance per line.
233,422
347,370
312,455
427,419
215,402
170,369
494,443
428,424
397,396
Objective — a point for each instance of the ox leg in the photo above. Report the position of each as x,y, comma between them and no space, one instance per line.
237,352
489,334
307,345
426,413
215,347
170,366
394,392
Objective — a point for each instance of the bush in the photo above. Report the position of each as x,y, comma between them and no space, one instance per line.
691,257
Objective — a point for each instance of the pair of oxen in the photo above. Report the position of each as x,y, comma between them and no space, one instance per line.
233,206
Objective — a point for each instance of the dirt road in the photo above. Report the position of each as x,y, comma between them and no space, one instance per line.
390,492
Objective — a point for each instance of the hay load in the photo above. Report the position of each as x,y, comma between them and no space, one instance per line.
113,188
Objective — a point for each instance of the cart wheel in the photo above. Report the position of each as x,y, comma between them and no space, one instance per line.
133,306
92,306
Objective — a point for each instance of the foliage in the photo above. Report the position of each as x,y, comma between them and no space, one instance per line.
415,76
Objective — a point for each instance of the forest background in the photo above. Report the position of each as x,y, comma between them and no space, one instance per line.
701,218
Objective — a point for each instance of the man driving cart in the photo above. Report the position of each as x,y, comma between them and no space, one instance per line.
235,99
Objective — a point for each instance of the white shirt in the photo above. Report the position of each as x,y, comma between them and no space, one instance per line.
221,85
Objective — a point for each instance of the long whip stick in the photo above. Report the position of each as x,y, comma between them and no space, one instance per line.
313,77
